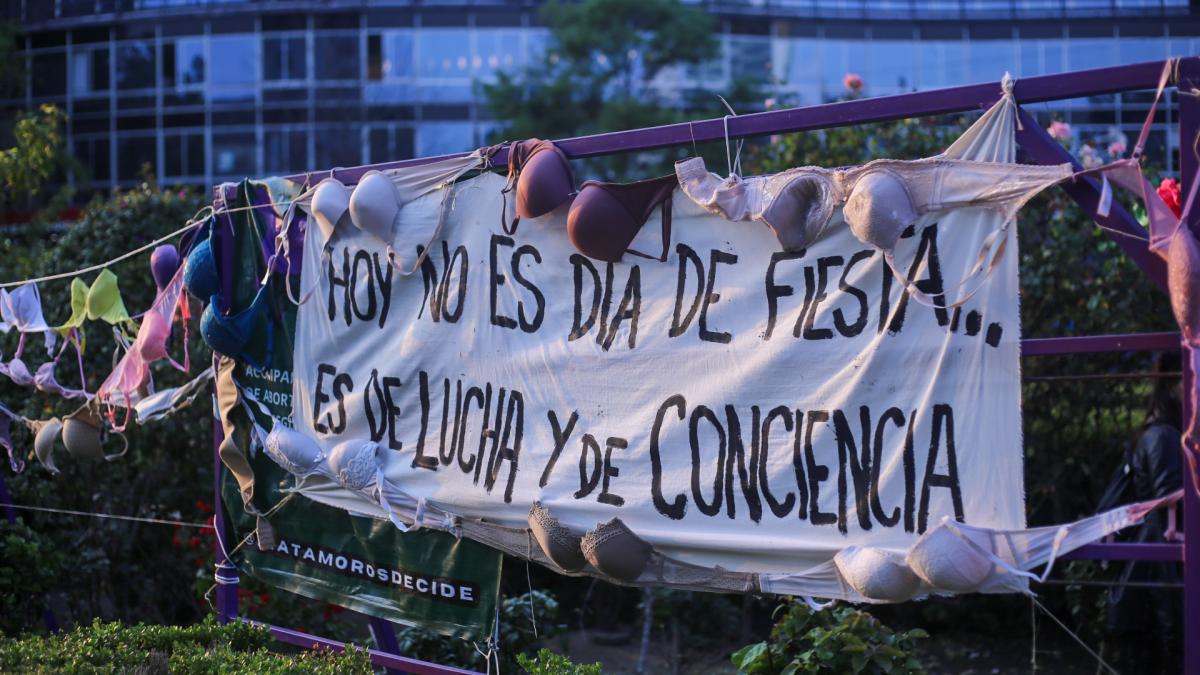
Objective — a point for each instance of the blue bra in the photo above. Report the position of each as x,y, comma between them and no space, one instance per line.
200,275
231,335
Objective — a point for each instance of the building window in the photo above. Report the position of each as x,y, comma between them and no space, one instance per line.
134,153
440,138
496,50
398,55
337,146
183,154
284,59
49,74
189,62
135,65
445,53
285,151
92,153
89,70
390,144
233,154
235,59
183,64
337,57
374,58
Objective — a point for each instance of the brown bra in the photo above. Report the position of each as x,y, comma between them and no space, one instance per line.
604,217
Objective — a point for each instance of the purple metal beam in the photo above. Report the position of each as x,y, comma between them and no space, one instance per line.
1085,190
1189,131
828,115
1086,344
846,113
1127,551
384,659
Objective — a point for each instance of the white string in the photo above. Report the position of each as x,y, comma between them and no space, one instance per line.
192,222
113,516
1099,659
124,256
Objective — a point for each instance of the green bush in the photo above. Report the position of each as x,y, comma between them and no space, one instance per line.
548,663
841,640
28,566
202,648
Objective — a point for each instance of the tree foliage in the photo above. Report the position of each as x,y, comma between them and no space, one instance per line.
598,75
36,157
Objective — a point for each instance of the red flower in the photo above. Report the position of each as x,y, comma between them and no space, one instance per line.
204,506
1168,191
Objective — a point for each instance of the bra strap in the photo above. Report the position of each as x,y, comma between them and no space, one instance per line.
666,234
1168,67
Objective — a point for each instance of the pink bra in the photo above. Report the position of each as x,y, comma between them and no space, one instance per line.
132,373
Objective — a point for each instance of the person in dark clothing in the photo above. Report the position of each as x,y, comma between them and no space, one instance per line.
1145,624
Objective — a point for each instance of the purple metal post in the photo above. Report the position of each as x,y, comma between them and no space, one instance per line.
225,572
1189,130
1085,190
385,638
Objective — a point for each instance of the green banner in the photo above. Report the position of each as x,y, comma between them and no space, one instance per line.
421,578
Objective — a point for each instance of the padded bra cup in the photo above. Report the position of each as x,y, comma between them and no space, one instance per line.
545,180
355,463
155,331
230,335
104,299
605,217
879,209
164,262
81,434
200,270
876,574
800,211
947,562
374,206
330,203
292,450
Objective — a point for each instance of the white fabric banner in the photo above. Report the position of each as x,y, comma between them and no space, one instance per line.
735,405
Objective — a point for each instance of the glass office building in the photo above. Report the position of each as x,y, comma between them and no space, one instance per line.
212,90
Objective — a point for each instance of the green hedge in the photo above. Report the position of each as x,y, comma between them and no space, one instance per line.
202,648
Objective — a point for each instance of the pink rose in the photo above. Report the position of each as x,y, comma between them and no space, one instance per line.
853,82
1059,130
1168,191
1116,149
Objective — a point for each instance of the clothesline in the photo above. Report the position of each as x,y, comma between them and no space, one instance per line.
124,256
192,222
113,516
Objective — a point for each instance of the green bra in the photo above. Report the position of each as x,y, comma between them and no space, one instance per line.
100,302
